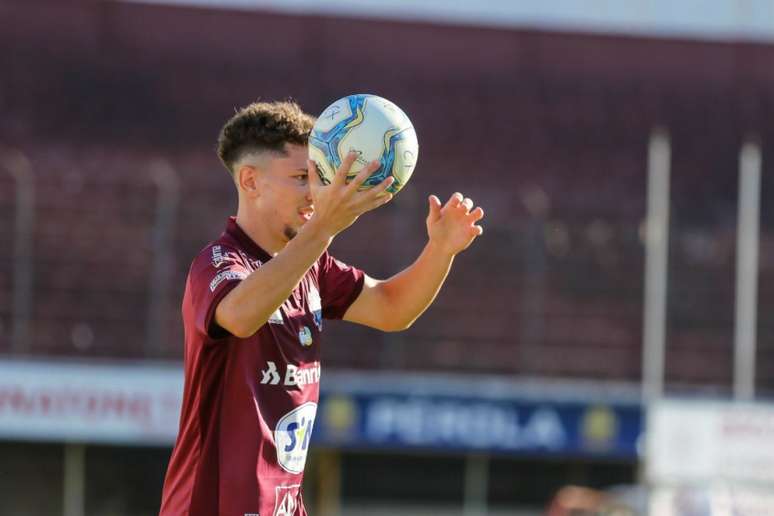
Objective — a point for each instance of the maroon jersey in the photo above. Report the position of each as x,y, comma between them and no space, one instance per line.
249,405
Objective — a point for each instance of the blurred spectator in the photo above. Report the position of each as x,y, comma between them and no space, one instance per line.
584,501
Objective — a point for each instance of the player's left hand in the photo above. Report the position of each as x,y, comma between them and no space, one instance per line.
453,226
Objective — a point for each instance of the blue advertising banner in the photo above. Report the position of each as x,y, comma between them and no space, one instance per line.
423,419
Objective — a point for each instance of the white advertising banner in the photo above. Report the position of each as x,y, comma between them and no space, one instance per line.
128,404
691,442
711,500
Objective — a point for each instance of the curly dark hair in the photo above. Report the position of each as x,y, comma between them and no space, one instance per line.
263,126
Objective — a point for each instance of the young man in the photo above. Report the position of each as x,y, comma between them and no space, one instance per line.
253,308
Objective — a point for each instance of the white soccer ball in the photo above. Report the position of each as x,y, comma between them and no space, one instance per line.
372,126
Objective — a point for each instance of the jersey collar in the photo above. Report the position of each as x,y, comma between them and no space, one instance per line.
238,234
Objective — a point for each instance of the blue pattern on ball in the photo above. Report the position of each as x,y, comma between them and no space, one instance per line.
328,142
388,161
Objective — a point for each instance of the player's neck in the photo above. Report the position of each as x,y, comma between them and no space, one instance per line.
259,232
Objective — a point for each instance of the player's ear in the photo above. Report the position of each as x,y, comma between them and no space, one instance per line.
246,177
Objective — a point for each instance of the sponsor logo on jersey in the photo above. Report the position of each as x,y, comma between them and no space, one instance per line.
270,375
253,262
305,336
315,306
217,256
291,437
294,376
226,275
286,500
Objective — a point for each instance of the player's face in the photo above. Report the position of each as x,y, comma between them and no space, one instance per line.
285,191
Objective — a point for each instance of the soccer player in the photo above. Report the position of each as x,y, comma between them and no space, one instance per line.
253,311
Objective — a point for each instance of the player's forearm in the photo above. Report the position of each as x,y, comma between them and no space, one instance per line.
250,304
410,292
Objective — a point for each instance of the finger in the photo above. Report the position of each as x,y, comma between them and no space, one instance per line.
467,203
367,194
478,230
363,175
435,207
379,189
374,203
341,174
454,200
476,214
377,192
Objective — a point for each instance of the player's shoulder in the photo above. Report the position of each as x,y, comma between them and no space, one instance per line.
322,262
329,264
324,257
220,252
327,260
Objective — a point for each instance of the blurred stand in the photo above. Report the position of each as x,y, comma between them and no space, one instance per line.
18,165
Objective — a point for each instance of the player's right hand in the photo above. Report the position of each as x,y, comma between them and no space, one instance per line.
339,204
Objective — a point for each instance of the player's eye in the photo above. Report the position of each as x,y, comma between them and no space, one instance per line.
301,178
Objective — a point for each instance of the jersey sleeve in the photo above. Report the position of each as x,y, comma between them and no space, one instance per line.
340,285
214,273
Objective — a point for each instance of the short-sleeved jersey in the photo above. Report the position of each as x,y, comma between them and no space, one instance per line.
249,405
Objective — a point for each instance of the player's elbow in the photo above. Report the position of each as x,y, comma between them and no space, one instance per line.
236,329
396,329
230,321
241,332
394,326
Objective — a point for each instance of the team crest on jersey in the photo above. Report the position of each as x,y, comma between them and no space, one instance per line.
286,500
315,306
305,336
291,437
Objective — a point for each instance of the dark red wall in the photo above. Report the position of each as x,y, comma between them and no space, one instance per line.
92,91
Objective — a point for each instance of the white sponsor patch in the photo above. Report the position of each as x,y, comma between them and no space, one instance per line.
226,275
292,435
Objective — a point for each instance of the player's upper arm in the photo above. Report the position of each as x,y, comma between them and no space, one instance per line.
372,307
214,273
340,285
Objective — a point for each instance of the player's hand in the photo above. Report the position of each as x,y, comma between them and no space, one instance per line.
339,204
452,227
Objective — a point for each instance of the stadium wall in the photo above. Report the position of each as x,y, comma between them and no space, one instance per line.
547,130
